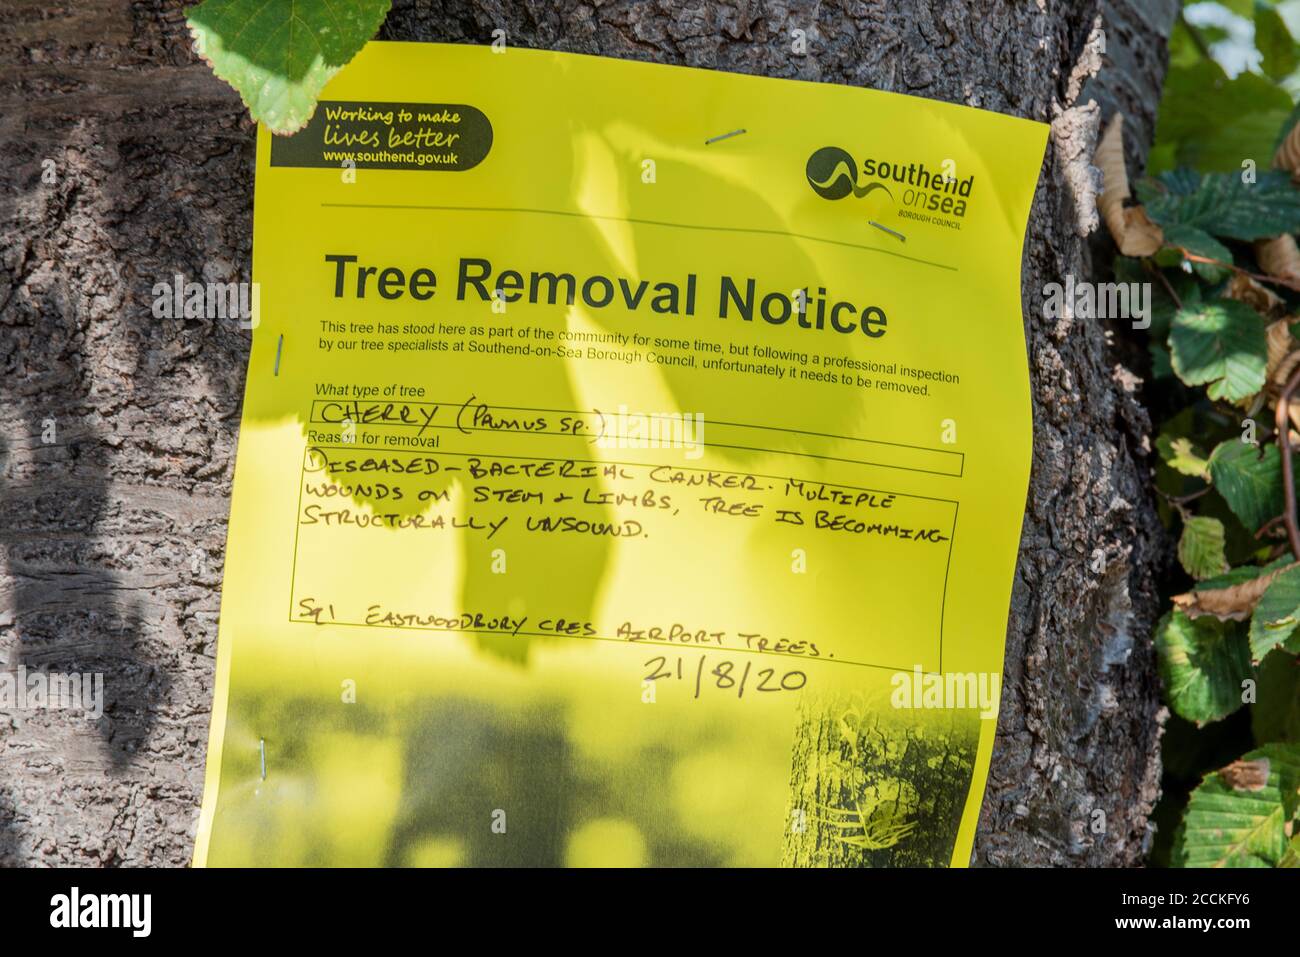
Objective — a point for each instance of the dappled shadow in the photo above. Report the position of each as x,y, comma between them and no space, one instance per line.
105,407
70,613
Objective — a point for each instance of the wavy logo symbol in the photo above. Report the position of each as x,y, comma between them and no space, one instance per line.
833,174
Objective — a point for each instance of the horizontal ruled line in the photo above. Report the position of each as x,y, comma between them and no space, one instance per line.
642,222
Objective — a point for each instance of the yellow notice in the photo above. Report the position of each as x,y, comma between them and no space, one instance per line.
632,470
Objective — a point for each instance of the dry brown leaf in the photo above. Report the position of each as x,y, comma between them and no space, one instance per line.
1228,604
1286,368
1279,257
1246,775
1287,156
1281,358
1133,231
1259,297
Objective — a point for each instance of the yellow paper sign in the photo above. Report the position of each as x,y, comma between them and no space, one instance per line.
631,473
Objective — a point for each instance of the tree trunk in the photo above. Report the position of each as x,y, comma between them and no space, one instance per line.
126,162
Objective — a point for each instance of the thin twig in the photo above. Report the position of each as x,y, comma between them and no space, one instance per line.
1268,526
1178,501
1283,422
1258,277
1160,274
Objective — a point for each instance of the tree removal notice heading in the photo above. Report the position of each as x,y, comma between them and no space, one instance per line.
631,472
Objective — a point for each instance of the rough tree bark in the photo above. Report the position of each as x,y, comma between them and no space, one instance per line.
111,535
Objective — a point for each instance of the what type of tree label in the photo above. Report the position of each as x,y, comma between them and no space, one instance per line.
631,472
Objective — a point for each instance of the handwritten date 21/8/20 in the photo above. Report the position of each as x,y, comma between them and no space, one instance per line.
723,675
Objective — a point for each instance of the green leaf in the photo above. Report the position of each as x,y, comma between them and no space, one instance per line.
1292,856
1274,622
1221,343
1287,125
1203,662
1183,457
1273,41
1232,821
1198,243
1211,122
1242,545
279,54
1200,548
1275,715
1183,50
1222,205
1242,573
1250,481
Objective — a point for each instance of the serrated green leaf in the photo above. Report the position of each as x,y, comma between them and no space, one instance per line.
1274,622
1249,479
1275,715
1222,205
279,54
1200,547
1183,457
1273,41
1203,662
1222,344
1233,822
